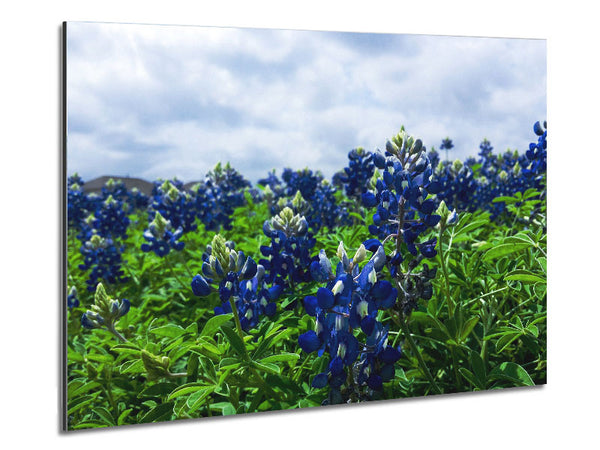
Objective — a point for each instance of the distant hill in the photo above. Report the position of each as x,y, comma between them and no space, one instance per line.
95,185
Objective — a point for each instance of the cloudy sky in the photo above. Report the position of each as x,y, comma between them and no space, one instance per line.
155,101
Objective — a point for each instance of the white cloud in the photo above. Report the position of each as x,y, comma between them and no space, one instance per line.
162,101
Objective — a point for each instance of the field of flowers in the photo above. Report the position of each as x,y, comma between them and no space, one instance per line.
404,275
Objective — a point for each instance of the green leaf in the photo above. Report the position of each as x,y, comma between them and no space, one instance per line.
158,390
214,323
507,200
89,424
80,403
267,367
503,250
101,358
73,356
357,216
468,376
228,410
227,363
125,349
471,226
524,276
133,367
533,330
234,340
123,416
479,371
506,340
169,330
468,327
76,390
513,372
186,389
104,415
209,368
281,357
192,366
196,400
160,412
192,329
206,346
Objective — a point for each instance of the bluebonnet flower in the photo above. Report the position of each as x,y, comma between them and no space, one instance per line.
356,176
306,181
289,251
72,300
216,199
348,303
78,205
161,237
321,210
447,145
404,210
457,185
110,219
115,189
485,149
536,154
105,312
506,174
319,204
274,184
159,186
75,179
137,199
104,258
175,205
376,366
434,158
240,281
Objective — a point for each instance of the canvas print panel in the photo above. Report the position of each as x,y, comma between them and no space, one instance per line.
264,220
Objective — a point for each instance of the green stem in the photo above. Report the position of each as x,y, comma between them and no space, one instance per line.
178,374
114,331
131,273
187,269
400,320
238,326
455,368
208,411
107,387
449,300
297,374
170,265
483,353
264,385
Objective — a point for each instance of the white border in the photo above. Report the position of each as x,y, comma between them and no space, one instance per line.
520,418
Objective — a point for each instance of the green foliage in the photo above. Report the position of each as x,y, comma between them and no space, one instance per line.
484,327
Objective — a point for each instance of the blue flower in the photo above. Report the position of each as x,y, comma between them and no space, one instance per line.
161,238
105,312
289,260
174,205
309,341
217,197
200,286
349,302
239,281
360,170
447,144
404,209
72,300
104,259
